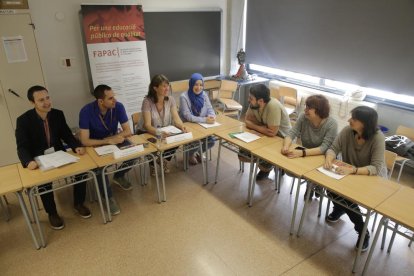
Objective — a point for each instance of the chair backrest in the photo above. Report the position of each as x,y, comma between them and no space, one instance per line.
406,131
390,158
288,95
135,119
227,89
179,86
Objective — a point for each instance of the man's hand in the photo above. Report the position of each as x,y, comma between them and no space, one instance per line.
80,150
32,165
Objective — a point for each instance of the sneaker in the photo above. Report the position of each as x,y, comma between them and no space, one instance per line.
83,211
123,183
365,245
334,216
56,222
114,207
193,160
198,157
262,175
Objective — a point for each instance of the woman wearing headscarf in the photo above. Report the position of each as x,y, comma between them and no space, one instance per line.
195,106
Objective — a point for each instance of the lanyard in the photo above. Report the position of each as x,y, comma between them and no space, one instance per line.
101,117
47,131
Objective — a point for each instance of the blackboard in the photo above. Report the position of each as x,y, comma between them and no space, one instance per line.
182,43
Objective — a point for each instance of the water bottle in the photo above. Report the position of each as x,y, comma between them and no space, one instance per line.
158,135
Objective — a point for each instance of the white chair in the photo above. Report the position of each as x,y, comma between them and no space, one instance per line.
225,98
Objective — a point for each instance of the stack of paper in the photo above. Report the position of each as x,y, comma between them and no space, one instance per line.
246,137
179,137
55,160
107,149
171,129
331,173
205,125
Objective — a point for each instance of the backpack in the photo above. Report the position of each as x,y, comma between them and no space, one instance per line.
401,145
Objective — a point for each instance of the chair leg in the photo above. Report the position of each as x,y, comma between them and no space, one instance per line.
5,199
375,221
392,238
6,209
411,241
384,234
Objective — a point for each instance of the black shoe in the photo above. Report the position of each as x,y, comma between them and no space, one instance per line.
56,222
365,245
334,216
262,175
83,211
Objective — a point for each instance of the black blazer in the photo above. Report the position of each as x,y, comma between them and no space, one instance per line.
31,138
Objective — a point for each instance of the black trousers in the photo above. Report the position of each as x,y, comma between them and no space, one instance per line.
354,217
48,200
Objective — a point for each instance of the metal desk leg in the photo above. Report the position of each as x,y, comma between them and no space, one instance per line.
206,159
36,217
252,185
106,194
98,195
292,223
218,160
374,242
200,144
26,217
156,178
163,176
305,206
394,232
361,241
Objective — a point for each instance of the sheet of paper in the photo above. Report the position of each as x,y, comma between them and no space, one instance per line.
15,49
171,129
205,125
247,137
330,173
56,160
107,149
179,137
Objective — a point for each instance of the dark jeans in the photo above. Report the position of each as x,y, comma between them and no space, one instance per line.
354,217
48,200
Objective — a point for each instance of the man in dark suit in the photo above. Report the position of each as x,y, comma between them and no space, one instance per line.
40,131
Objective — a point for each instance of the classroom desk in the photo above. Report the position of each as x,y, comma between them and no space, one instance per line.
296,166
236,145
11,183
32,179
226,123
367,191
398,208
107,162
187,145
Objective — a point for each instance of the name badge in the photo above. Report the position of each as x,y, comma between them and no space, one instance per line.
49,150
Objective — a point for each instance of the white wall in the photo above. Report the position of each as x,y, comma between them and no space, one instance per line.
69,88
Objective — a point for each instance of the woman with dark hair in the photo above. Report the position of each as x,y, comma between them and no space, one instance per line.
159,110
315,128
361,145
195,106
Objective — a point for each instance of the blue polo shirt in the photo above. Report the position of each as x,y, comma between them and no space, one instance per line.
100,128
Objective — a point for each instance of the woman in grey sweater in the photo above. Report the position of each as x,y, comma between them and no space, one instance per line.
315,128
362,145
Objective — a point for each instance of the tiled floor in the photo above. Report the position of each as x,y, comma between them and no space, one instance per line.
200,230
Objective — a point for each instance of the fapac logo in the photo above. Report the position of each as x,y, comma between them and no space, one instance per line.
106,53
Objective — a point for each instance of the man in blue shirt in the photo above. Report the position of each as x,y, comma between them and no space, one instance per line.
98,123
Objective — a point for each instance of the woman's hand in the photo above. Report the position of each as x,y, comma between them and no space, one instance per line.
210,120
184,129
328,163
285,150
344,170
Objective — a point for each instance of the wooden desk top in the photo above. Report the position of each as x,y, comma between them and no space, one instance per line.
399,207
225,121
197,135
108,159
297,166
368,191
262,142
10,179
36,177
